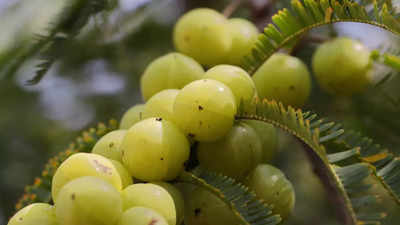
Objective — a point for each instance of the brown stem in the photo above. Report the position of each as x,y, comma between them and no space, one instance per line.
333,192
261,12
231,8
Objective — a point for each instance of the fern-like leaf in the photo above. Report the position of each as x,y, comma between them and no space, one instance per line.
40,190
289,24
316,133
72,19
243,202
66,26
387,165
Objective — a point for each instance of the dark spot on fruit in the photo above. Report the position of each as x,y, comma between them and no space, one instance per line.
277,193
200,107
161,158
153,222
111,144
159,119
140,115
20,219
186,38
122,152
191,135
73,196
197,211
200,123
291,88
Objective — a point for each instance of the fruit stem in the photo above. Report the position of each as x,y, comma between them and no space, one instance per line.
231,8
302,42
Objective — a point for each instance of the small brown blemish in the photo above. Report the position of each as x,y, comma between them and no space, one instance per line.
197,211
20,219
291,88
161,158
200,123
73,196
153,222
111,144
102,167
159,119
186,38
191,135
200,107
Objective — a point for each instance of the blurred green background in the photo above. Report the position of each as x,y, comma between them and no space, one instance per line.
96,78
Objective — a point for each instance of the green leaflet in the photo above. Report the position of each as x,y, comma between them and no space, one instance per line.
389,59
347,180
40,190
243,202
289,24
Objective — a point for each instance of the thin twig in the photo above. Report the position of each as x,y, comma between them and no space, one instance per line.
261,12
231,8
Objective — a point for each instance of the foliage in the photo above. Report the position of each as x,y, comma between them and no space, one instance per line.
289,25
347,162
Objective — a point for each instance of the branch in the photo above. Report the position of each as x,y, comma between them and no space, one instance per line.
261,12
334,194
231,8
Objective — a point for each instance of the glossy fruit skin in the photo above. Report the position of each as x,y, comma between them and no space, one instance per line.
203,34
150,196
178,200
126,177
270,184
268,136
109,145
155,150
33,214
171,71
204,208
238,80
141,216
244,35
84,164
205,110
235,155
88,201
341,66
132,116
283,78
162,105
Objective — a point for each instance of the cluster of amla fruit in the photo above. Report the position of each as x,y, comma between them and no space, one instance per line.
187,107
